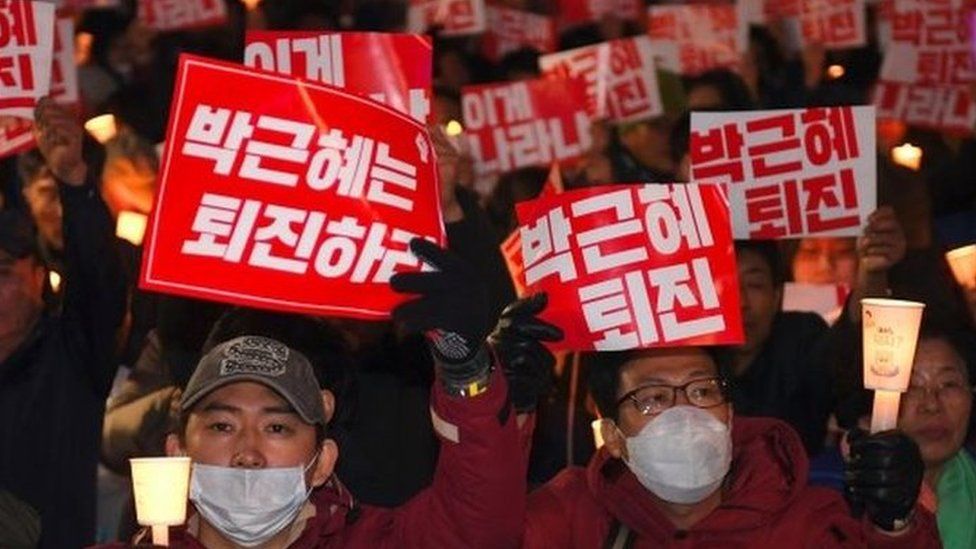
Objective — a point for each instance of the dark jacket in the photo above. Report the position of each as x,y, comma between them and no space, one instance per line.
767,503
788,379
53,387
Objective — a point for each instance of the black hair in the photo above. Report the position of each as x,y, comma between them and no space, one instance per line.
603,373
513,187
521,60
961,339
679,143
770,252
733,90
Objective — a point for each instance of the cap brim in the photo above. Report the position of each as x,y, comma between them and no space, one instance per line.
187,403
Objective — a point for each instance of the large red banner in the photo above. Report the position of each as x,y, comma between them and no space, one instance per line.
629,266
450,17
526,123
511,248
691,39
26,47
928,67
620,77
510,29
287,194
171,15
790,173
394,69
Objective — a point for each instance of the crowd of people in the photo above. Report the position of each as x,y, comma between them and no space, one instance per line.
452,424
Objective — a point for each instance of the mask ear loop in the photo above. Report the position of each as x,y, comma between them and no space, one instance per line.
315,458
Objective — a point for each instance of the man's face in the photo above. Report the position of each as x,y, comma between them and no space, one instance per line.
248,425
42,197
826,261
21,294
935,410
668,367
760,298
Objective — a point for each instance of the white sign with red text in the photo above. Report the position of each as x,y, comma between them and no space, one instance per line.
171,15
580,12
452,17
510,29
26,50
789,173
620,76
693,38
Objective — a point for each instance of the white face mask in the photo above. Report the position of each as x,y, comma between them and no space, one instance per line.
682,455
248,506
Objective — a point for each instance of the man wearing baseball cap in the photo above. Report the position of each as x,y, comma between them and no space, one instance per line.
254,421
56,369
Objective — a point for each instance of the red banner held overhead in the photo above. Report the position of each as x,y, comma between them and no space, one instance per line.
790,173
394,69
171,15
629,266
691,39
510,29
620,76
450,17
581,12
26,48
287,195
526,123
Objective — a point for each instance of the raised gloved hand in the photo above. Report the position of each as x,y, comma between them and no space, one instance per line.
517,342
883,475
451,310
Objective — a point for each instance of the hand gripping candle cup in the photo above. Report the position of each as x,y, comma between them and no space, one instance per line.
161,487
890,335
962,261
103,128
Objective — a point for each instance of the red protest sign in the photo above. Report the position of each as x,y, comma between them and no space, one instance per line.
629,266
16,136
789,173
395,69
928,66
171,15
526,123
511,247
691,39
288,195
510,29
452,17
26,46
620,77
579,12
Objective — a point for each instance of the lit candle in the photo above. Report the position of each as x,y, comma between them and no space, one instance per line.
453,128
102,128
890,333
907,155
55,279
251,5
835,71
597,426
160,487
962,261
131,226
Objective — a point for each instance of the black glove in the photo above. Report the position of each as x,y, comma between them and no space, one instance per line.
883,476
451,310
527,364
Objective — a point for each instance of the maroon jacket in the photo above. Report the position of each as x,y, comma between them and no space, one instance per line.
477,498
767,504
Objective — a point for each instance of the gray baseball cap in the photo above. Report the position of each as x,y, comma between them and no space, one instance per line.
261,360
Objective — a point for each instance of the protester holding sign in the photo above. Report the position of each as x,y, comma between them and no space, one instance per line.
55,371
677,468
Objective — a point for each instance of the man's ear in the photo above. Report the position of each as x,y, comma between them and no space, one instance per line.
324,467
173,446
328,402
613,439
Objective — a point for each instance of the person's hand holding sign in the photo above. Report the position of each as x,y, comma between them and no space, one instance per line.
59,137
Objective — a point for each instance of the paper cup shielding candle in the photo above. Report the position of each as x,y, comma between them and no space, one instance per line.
962,261
161,487
890,329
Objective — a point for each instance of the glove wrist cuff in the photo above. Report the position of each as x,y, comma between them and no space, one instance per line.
468,378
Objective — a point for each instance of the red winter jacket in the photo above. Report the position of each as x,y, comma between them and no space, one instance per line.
477,498
767,505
